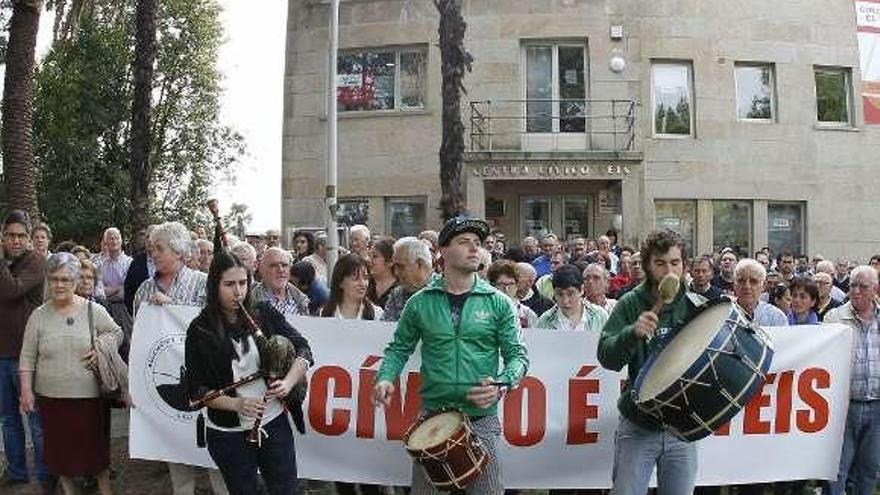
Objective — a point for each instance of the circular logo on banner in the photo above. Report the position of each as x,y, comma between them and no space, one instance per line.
163,374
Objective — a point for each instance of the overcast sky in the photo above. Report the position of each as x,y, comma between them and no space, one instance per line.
252,63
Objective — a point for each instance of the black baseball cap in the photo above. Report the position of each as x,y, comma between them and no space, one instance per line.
460,224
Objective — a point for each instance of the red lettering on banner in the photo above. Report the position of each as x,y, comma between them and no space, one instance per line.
752,423
783,402
366,416
319,394
399,415
580,411
811,379
536,425
403,411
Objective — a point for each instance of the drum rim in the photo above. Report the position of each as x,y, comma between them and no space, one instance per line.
705,430
652,358
699,366
649,364
465,424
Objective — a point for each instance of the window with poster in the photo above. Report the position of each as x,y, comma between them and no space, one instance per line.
405,216
678,216
382,79
353,211
785,227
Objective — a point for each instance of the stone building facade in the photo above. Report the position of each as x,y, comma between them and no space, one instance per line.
737,124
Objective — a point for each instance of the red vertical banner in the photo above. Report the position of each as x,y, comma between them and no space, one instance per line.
868,33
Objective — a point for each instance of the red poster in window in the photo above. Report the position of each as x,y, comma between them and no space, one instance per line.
357,97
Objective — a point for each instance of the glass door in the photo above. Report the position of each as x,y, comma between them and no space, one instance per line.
576,217
535,216
555,92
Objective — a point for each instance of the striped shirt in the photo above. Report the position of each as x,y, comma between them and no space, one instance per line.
293,303
865,378
112,273
187,289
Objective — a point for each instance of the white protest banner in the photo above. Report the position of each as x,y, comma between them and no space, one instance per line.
558,427
161,427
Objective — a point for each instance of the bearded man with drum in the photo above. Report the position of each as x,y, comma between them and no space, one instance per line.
464,325
628,338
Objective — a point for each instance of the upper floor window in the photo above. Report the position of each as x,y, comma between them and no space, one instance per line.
672,98
833,95
381,79
556,87
755,92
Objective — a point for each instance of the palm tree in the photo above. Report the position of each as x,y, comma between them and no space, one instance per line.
18,110
455,60
144,56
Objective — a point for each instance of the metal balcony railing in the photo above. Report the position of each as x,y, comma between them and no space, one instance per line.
552,125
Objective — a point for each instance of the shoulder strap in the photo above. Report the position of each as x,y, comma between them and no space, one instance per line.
91,325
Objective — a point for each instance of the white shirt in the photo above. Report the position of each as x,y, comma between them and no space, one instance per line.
249,363
377,313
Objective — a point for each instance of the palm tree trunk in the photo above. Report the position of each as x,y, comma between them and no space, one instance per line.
455,60
18,110
142,69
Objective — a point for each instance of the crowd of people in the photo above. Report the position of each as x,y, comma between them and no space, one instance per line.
56,299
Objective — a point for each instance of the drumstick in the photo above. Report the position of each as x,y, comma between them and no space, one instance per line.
666,292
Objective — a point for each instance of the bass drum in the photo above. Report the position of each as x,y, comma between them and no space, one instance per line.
705,373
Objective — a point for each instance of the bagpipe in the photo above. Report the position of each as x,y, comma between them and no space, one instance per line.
277,356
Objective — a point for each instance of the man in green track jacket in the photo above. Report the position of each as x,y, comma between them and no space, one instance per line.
626,340
464,325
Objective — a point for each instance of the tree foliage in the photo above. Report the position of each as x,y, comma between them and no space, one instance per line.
237,220
83,111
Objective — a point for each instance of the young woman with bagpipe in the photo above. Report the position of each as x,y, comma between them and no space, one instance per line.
248,367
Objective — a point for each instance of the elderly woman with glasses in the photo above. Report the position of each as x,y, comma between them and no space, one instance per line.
57,370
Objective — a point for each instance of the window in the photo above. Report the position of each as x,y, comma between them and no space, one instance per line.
381,80
535,215
353,211
672,96
405,216
785,227
732,226
755,92
833,95
556,88
679,216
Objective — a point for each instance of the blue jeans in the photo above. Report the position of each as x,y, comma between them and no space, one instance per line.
637,450
238,461
13,427
861,450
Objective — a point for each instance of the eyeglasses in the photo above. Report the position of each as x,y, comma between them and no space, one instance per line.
275,266
15,235
861,286
61,280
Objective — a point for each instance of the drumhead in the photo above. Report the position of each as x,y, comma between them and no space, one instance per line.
434,431
683,350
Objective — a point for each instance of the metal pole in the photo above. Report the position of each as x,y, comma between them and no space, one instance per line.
330,191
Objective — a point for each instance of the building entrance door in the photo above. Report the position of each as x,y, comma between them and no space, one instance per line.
566,216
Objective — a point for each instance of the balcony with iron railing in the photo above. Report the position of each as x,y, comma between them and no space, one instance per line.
588,128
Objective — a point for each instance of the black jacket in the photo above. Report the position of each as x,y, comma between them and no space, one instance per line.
538,303
209,365
137,273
